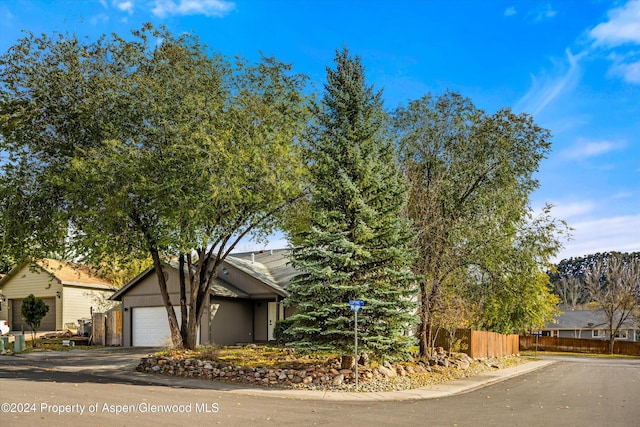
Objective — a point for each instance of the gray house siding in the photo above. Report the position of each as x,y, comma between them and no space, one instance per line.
231,321
260,322
244,306
587,324
147,294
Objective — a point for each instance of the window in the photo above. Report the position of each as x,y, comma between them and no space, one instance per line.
622,335
598,333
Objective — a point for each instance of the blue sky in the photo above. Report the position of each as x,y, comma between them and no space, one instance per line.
573,65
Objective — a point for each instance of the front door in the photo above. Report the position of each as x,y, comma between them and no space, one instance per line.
272,312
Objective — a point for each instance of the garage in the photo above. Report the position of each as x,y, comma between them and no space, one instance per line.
150,327
48,322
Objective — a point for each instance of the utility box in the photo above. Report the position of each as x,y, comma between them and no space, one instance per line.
18,344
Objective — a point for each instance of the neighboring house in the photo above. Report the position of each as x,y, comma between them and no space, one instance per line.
590,324
245,302
70,290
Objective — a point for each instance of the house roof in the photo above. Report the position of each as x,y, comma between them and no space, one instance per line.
584,319
271,268
66,273
224,289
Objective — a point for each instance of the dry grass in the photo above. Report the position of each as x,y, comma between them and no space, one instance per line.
268,357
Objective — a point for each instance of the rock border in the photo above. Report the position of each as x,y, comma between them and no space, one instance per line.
387,377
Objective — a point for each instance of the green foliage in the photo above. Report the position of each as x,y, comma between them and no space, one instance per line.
152,147
280,330
470,175
33,310
356,242
518,303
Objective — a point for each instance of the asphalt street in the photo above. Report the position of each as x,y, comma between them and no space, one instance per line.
102,390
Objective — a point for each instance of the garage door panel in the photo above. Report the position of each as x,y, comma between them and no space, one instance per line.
150,327
48,322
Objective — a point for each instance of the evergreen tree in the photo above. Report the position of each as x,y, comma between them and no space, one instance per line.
356,243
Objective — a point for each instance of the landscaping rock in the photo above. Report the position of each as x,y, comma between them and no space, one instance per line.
386,372
348,362
387,377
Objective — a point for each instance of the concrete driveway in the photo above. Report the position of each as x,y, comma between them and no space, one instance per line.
108,359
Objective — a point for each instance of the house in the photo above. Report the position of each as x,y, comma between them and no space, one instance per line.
590,324
245,302
70,290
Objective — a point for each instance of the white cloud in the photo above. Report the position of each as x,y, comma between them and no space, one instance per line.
572,209
510,11
622,195
603,235
99,19
544,11
163,8
543,91
620,34
585,148
629,71
125,6
622,27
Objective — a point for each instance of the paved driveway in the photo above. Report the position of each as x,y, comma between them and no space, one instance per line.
99,359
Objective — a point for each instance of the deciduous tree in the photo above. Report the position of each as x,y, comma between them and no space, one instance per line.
470,175
614,284
33,310
147,147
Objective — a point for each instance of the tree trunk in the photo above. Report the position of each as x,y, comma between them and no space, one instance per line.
192,331
176,337
423,337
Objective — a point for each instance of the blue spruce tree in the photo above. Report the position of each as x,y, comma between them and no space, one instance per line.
356,244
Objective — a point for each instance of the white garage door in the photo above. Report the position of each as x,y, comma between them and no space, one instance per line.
150,327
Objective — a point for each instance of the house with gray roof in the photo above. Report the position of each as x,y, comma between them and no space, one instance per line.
245,302
591,324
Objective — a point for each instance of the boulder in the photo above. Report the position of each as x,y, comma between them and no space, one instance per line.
347,362
386,372
338,379
364,359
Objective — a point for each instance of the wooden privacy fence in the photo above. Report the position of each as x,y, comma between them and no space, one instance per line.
106,328
579,345
480,343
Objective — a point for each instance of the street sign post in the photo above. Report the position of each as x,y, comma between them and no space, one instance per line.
536,333
356,305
